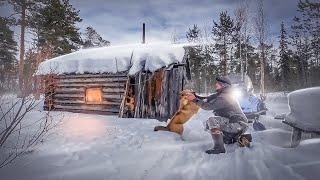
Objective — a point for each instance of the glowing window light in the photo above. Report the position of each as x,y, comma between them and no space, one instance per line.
93,95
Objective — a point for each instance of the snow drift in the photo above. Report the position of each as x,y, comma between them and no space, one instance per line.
113,59
88,146
304,108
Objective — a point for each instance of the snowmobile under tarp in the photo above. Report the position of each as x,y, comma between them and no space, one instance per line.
251,105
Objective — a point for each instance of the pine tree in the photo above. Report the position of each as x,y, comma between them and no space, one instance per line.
29,69
55,26
300,44
284,58
93,39
223,32
270,66
23,10
261,35
252,64
8,52
241,16
194,56
310,19
209,68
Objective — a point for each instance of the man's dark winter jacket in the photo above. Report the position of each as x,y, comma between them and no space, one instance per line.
223,104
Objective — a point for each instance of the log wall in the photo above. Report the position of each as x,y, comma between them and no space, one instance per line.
145,95
67,93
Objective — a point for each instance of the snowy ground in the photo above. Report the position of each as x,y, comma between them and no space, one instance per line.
106,147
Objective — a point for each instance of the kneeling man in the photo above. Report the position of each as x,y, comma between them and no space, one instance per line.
229,122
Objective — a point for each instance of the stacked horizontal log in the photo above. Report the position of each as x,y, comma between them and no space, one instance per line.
68,93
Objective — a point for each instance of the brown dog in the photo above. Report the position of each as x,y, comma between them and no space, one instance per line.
186,110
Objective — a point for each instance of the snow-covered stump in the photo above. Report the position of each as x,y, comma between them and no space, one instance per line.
304,116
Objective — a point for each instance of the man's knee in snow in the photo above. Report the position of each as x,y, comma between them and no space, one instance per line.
215,122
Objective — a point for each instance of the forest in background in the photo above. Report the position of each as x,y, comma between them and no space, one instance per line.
52,24
239,42
236,42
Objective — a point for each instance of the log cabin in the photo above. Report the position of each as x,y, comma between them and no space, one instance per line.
133,81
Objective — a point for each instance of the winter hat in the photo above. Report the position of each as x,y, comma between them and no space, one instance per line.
224,81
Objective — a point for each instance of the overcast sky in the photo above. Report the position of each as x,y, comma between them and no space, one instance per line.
120,21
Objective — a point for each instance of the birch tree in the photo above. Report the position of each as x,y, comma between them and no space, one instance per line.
261,35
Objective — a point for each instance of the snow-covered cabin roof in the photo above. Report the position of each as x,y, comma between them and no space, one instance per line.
113,59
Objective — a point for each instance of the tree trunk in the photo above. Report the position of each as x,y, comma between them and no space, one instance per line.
262,69
241,62
22,34
225,69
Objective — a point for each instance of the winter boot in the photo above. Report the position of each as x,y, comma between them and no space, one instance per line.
244,140
218,143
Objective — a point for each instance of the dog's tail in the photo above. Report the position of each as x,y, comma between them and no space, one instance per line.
161,128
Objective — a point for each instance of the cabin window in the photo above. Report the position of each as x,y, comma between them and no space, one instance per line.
94,95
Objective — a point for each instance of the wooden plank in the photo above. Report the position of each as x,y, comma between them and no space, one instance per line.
62,90
123,101
92,80
294,125
164,107
175,89
158,78
70,90
58,101
91,76
113,90
151,96
106,95
80,95
137,94
85,111
88,108
171,91
144,96
94,84
113,96
295,137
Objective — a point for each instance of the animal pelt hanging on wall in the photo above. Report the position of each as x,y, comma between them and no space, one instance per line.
129,102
